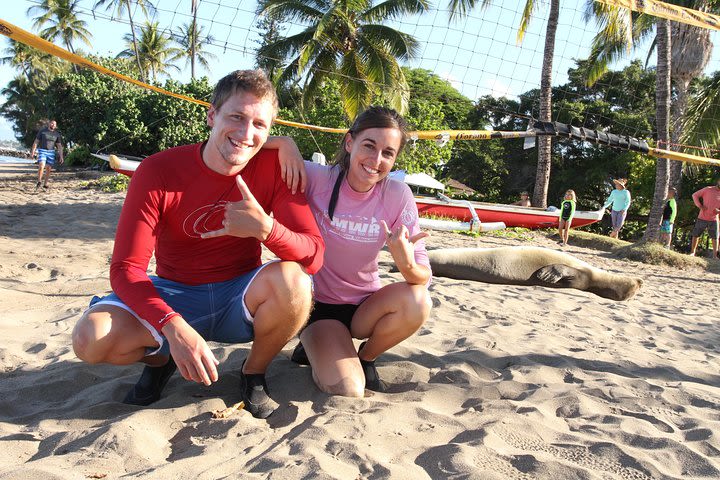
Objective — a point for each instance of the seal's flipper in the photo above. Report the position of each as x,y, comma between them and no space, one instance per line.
558,275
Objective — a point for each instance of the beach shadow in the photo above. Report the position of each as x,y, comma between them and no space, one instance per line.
480,358
677,277
67,221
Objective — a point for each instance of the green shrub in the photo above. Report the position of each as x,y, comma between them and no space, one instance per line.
109,183
79,157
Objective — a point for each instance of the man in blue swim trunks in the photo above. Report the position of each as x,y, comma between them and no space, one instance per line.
47,142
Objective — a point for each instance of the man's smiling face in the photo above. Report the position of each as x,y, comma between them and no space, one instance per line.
240,127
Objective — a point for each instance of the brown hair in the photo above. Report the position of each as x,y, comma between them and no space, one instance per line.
254,82
373,117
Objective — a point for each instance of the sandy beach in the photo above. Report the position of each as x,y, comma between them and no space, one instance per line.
503,382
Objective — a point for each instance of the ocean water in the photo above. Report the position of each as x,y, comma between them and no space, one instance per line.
6,159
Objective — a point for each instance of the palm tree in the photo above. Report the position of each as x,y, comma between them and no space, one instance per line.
61,18
662,121
345,39
691,49
36,66
153,50
700,124
122,6
191,41
690,52
23,107
542,175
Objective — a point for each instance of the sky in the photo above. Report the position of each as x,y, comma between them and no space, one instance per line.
478,55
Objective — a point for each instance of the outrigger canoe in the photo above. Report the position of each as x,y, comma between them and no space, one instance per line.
511,215
444,213
125,165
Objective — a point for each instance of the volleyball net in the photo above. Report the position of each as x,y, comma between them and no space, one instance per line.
476,51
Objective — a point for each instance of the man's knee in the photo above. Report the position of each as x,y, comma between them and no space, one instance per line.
85,339
292,285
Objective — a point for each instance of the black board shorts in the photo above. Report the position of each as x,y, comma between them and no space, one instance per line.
343,313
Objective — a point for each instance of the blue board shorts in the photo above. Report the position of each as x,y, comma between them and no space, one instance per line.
666,227
46,156
217,311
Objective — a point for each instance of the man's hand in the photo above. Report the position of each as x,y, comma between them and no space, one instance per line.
401,246
245,218
193,357
292,165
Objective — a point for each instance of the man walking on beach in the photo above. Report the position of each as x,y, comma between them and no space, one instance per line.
47,141
708,201
210,282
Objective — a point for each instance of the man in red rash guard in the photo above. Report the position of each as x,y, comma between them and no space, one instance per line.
210,283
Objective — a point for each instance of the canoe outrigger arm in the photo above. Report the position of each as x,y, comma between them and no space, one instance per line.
475,220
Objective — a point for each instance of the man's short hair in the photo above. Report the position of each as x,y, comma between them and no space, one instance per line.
254,82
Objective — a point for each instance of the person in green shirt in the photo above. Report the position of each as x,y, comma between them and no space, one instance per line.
668,218
567,210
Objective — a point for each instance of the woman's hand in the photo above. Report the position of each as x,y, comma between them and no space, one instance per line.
292,164
402,249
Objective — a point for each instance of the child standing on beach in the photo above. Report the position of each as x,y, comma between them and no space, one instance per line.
567,210
668,218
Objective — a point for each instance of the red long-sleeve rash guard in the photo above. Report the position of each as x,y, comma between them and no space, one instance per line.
173,198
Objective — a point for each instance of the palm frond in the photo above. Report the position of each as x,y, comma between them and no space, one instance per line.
355,91
399,44
460,8
700,125
528,11
300,11
392,9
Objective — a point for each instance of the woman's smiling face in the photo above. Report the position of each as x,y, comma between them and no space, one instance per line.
372,155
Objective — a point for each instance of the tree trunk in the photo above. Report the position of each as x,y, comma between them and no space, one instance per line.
542,175
137,54
71,50
678,112
662,116
193,30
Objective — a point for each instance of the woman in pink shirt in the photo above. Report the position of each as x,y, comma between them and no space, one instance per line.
359,211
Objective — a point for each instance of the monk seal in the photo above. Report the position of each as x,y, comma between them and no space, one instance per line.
530,266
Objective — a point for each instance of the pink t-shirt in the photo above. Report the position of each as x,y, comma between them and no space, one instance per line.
355,236
710,199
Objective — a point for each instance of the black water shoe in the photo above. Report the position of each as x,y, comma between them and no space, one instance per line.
255,394
372,377
299,355
151,384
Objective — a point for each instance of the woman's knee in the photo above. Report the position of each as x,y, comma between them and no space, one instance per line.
418,305
348,386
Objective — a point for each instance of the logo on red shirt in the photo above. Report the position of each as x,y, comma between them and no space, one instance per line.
205,219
